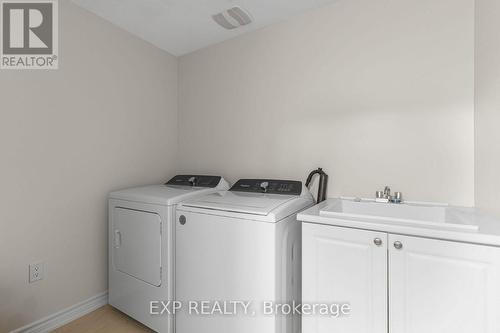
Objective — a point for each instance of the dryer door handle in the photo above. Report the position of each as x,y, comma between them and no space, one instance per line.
117,240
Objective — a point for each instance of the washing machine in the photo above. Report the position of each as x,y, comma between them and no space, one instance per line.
241,245
141,246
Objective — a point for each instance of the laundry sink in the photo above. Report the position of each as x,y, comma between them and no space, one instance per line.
436,216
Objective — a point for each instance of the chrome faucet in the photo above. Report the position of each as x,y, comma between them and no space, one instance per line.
386,197
387,192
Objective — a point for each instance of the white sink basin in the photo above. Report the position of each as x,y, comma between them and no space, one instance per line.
417,214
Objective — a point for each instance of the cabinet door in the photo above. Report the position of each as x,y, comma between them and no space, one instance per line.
443,287
342,265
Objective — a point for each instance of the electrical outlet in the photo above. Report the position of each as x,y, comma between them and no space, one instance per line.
36,272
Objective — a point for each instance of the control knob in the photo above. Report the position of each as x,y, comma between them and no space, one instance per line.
192,181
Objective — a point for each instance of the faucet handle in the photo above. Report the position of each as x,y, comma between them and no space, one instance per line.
396,198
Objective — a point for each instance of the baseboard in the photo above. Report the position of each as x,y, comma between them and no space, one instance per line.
65,316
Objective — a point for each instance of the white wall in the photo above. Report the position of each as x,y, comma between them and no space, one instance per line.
107,119
376,92
488,106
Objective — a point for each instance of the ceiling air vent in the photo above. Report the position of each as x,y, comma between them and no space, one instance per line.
232,18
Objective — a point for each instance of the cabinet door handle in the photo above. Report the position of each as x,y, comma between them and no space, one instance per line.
377,241
398,245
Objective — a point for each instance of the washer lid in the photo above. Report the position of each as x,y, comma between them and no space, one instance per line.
241,202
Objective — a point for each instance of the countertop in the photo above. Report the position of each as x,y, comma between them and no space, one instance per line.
488,232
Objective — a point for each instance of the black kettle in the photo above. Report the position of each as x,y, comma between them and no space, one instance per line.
323,182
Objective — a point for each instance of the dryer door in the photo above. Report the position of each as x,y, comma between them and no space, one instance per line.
137,244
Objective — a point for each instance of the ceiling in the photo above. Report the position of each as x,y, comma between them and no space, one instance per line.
183,26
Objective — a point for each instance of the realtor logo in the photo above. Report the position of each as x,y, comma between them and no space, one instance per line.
29,33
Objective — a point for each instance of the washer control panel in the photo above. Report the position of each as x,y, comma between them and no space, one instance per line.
272,186
194,180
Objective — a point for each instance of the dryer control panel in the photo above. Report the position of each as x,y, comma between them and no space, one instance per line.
272,186
195,180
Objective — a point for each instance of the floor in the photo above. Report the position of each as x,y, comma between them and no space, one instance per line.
104,320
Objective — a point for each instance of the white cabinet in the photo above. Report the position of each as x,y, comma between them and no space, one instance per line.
343,265
403,285
441,286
